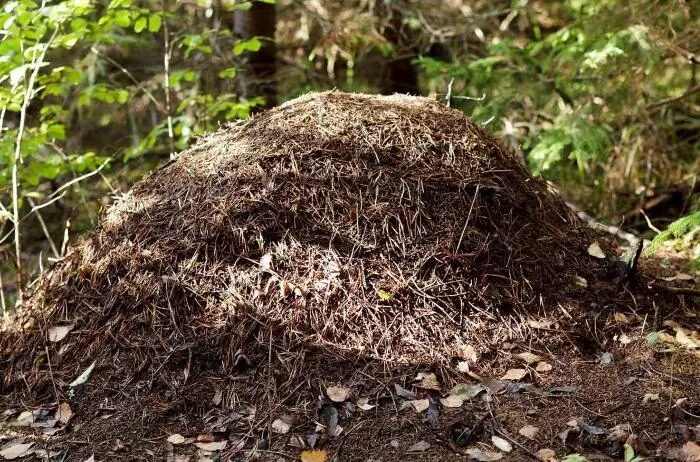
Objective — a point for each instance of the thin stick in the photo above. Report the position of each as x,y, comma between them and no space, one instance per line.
468,216
448,97
36,64
35,209
166,63
80,178
3,306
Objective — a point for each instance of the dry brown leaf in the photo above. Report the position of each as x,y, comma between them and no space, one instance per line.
15,449
176,439
543,324
501,443
313,455
58,333
529,431
483,455
64,413
514,374
280,426
547,455
363,403
452,401
468,353
427,381
212,446
691,452
420,446
528,357
463,366
338,393
543,367
621,318
420,405
266,261
218,397
685,341
594,250
624,339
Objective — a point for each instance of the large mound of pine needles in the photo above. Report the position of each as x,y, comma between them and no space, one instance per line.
386,227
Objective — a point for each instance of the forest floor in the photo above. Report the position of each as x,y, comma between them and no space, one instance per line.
607,389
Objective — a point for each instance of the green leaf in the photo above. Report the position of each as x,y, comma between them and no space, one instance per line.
154,22
228,73
652,339
140,24
384,295
251,44
56,131
122,18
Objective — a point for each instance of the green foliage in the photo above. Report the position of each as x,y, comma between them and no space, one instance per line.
684,227
578,97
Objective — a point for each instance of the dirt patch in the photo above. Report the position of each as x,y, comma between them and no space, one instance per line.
337,239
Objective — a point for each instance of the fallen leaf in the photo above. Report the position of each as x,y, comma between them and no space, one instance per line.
420,405
280,426
691,452
403,393
624,339
580,282
620,432
514,374
25,419
493,386
266,261
650,397
467,353
590,429
501,443
212,446
544,324
420,446
90,459
313,455
666,338
427,380
338,394
528,357
463,366
621,318
529,432
543,367
467,390
606,358
563,389
483,456
15,449
82,378
176,439
594,250
64,413
218,397
452,401
683,340
58,333
363,403
547,455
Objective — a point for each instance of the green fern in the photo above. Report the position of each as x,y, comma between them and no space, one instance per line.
676,230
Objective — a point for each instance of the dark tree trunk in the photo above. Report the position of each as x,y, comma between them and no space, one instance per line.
258,75
399,74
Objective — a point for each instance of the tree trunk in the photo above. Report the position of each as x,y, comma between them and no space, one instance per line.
258,75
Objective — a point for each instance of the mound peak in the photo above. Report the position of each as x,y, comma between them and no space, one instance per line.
385,226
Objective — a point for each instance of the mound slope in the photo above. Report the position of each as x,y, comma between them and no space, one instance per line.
376,226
